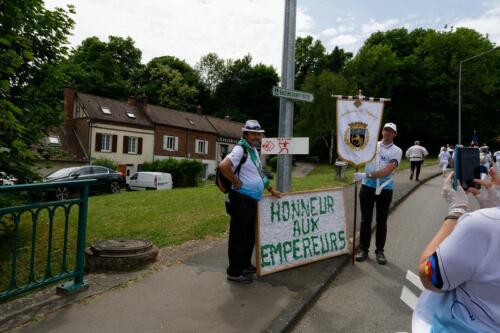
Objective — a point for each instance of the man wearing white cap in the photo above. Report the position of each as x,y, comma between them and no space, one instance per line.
377,187
247,186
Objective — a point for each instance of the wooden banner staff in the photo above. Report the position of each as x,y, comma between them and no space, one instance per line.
360,97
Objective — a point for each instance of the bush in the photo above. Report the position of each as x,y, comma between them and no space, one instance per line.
105,163
184,172
273,163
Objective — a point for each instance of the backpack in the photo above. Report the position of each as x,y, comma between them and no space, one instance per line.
221,181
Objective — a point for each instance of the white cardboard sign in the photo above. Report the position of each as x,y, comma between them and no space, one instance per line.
300,228
285,146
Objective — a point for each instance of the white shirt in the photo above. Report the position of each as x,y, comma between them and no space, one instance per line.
252,183
470,267
416,153
444,156
385,154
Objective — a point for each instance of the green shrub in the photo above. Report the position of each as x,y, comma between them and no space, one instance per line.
105,163
273,163
184,172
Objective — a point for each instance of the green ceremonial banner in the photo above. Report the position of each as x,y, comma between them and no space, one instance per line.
300,228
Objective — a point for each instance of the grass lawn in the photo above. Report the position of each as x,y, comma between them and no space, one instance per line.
165,217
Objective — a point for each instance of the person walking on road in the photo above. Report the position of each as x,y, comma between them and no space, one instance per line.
416,155
376,190
496,156
444,159
246,191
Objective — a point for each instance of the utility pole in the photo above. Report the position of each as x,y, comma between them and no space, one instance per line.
286,105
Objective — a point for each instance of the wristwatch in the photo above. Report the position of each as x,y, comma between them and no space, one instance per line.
369,175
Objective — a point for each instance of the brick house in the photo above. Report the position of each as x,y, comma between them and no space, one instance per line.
183,135
111,129
229,134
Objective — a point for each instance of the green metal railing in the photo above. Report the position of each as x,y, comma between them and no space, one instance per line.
34,211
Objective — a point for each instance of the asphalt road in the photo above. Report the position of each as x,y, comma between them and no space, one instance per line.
366,297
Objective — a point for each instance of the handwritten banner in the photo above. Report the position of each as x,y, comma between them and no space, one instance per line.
300,228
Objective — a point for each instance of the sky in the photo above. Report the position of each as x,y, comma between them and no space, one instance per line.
189,29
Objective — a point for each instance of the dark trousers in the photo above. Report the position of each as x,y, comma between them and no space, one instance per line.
368,200
415,164
243,211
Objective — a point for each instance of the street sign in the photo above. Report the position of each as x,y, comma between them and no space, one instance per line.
285,146
293,94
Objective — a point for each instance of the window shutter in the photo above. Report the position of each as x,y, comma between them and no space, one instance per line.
165,142
206,147
125,144
114,142
98,141
176,140
139,148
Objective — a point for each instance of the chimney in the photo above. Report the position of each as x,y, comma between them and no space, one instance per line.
131,101
69,104
199,110
140,102
227,117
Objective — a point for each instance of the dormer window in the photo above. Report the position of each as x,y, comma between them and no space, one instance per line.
190,121
131,115
105,110
54,140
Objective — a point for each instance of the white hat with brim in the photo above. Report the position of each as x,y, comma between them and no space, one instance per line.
252,126
391,126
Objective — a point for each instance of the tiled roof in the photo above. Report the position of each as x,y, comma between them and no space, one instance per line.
119,110
69,147
165,116
225,127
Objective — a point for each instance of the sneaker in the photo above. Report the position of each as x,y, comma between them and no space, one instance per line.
250,270
243,278
381,258
362,255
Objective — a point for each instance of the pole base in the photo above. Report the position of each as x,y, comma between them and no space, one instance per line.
70,288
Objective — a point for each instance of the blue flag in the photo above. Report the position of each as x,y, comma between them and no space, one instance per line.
475,139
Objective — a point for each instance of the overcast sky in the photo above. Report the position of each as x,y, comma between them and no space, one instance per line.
189,29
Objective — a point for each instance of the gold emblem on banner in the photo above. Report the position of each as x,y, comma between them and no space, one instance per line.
356,135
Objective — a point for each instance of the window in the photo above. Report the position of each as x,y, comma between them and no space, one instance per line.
190,121
131,115
106,142
105,110
98,169
224,150
54,140
84,171
170,143
132,145
201,147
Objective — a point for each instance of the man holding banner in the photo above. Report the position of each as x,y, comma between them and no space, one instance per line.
376,189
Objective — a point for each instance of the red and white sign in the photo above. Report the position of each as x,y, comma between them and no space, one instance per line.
285,146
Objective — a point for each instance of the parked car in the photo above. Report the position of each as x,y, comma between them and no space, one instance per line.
7,179
107,180
145,180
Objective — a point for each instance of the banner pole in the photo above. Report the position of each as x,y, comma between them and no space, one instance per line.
355,218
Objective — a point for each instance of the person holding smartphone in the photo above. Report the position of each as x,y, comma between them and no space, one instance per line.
460,267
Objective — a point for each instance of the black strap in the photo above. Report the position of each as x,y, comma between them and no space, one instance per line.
243,160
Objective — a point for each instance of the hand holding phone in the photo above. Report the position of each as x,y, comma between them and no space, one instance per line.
467,167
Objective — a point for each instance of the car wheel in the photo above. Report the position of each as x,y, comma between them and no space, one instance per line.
62,193
114,187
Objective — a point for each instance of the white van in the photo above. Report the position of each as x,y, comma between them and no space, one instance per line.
145,180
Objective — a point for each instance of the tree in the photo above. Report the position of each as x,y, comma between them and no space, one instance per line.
245,93
309,58
211,70
171,82
32,44
337,60
108,69
317,120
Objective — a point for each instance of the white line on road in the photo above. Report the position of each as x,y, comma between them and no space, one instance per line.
409,298
413,278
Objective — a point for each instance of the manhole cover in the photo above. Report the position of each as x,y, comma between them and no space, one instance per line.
120,254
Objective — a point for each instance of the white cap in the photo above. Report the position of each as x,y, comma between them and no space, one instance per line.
252,126
391,126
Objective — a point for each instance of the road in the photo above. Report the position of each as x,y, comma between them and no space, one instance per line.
366,297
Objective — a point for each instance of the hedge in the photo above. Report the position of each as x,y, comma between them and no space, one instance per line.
185,172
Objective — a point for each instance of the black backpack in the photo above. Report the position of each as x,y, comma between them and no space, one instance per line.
221,181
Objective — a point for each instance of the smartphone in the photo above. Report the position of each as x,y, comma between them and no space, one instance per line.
467,167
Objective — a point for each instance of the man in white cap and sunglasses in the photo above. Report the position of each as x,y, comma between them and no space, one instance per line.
247,186
376,190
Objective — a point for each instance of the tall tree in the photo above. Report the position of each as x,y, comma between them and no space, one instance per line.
318,120
309,58
107,69
171,82
337,60
211,69
32,43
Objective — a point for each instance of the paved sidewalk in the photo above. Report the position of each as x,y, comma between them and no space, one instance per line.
194,295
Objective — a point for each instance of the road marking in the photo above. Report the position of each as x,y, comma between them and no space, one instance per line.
409,298
413,278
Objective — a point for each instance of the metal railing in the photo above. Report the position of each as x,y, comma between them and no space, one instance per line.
11,219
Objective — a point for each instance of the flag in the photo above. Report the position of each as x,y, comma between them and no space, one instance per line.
358,127
475,139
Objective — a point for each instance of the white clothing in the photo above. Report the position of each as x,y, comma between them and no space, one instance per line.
497,159
251,181
385,154
416,153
